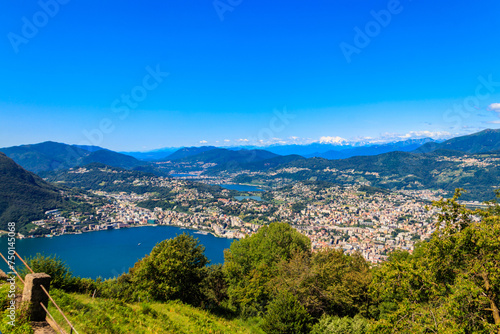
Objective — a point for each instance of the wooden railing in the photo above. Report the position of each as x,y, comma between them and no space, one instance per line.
72,328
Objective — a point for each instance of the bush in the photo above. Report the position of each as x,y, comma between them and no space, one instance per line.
62,277
337,325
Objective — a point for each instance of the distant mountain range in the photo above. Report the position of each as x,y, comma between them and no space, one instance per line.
397,164
322,150
50,156
223,156
402,146
336,151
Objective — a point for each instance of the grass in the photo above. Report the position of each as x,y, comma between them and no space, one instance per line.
105,316
21,324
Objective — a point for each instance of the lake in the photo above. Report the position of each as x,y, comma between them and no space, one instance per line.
240,187
240,198
112,252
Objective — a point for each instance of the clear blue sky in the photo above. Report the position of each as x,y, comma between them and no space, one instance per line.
227,79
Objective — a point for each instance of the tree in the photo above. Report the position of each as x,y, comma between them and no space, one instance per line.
173,270
252,262
327,282
286,315
214,287
450,284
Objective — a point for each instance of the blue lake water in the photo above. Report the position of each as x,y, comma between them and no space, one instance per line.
240,187
240,198
110,253
184,175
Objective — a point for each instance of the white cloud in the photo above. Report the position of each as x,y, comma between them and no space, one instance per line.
388,136
425,134
332,140
494,122
227,140
243,140
494,107
203,141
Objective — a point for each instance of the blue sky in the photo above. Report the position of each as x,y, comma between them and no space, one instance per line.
150,74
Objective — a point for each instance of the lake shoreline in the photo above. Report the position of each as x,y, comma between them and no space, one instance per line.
112,252
49,236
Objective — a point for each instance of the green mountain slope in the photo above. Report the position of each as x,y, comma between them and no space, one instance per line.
23,196
440,169
45,156
260,165
50,156
111,158
100,315
188,152
97,176
484,141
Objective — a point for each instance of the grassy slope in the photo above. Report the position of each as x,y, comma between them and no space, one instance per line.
105,316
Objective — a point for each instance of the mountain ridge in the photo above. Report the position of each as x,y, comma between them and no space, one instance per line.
479,142
48,156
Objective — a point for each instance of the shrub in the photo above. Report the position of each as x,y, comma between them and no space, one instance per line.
62,277
337,325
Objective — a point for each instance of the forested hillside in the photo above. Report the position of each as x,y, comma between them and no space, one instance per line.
24,196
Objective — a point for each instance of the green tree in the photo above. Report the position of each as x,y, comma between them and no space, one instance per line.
252,262
328,282
215,287
173,270
286,315
450,284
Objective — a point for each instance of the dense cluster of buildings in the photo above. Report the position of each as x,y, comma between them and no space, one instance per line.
344,217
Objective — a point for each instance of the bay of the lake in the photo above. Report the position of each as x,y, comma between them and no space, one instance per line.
112,252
